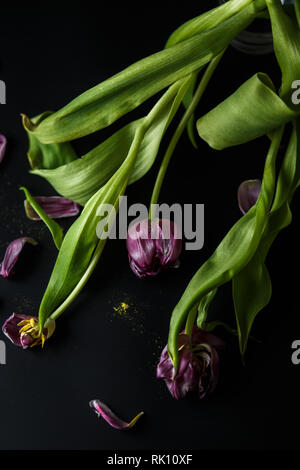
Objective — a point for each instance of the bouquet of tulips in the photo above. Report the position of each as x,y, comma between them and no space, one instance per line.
180,72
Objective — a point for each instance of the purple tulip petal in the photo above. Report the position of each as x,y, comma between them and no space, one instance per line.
11,329
55,207
248,193
200,336
3,143
140,244
169,244
103,411
12,254
153,246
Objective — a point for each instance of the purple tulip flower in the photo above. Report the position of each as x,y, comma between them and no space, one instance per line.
248,193
153,246
198,364
24,330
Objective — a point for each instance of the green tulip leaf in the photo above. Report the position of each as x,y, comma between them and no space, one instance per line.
54,227
233,253
103,104
252,111
48,156
252,290
203,307
81,242
286,37
81,178
252,286
211,19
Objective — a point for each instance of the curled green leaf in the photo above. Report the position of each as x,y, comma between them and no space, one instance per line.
54,227
48,156
252,111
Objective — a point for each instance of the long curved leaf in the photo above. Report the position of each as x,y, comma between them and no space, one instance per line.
207,20
81,178
252,286
105,103
233,253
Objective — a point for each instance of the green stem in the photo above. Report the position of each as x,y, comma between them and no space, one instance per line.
82,282
191,321
100,246
297,9
181,126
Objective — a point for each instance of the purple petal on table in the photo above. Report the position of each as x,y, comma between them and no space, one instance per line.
12,254
56,207
103,411
3,143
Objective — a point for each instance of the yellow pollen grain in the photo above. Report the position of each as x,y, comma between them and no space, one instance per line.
122,308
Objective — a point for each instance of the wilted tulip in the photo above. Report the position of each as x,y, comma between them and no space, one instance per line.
153,246
24,330
56,207
198,364
248,193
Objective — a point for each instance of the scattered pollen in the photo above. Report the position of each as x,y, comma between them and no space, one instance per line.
122,308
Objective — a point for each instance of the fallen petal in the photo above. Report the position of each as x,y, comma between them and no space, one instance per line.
3,143
102,410
12,254
248,193
55,207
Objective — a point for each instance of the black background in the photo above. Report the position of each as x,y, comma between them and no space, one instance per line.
48,57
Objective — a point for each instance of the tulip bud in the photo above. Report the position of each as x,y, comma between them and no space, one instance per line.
198,364
24,330
248,193
153,246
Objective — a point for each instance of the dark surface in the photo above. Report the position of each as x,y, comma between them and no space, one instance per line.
46,59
